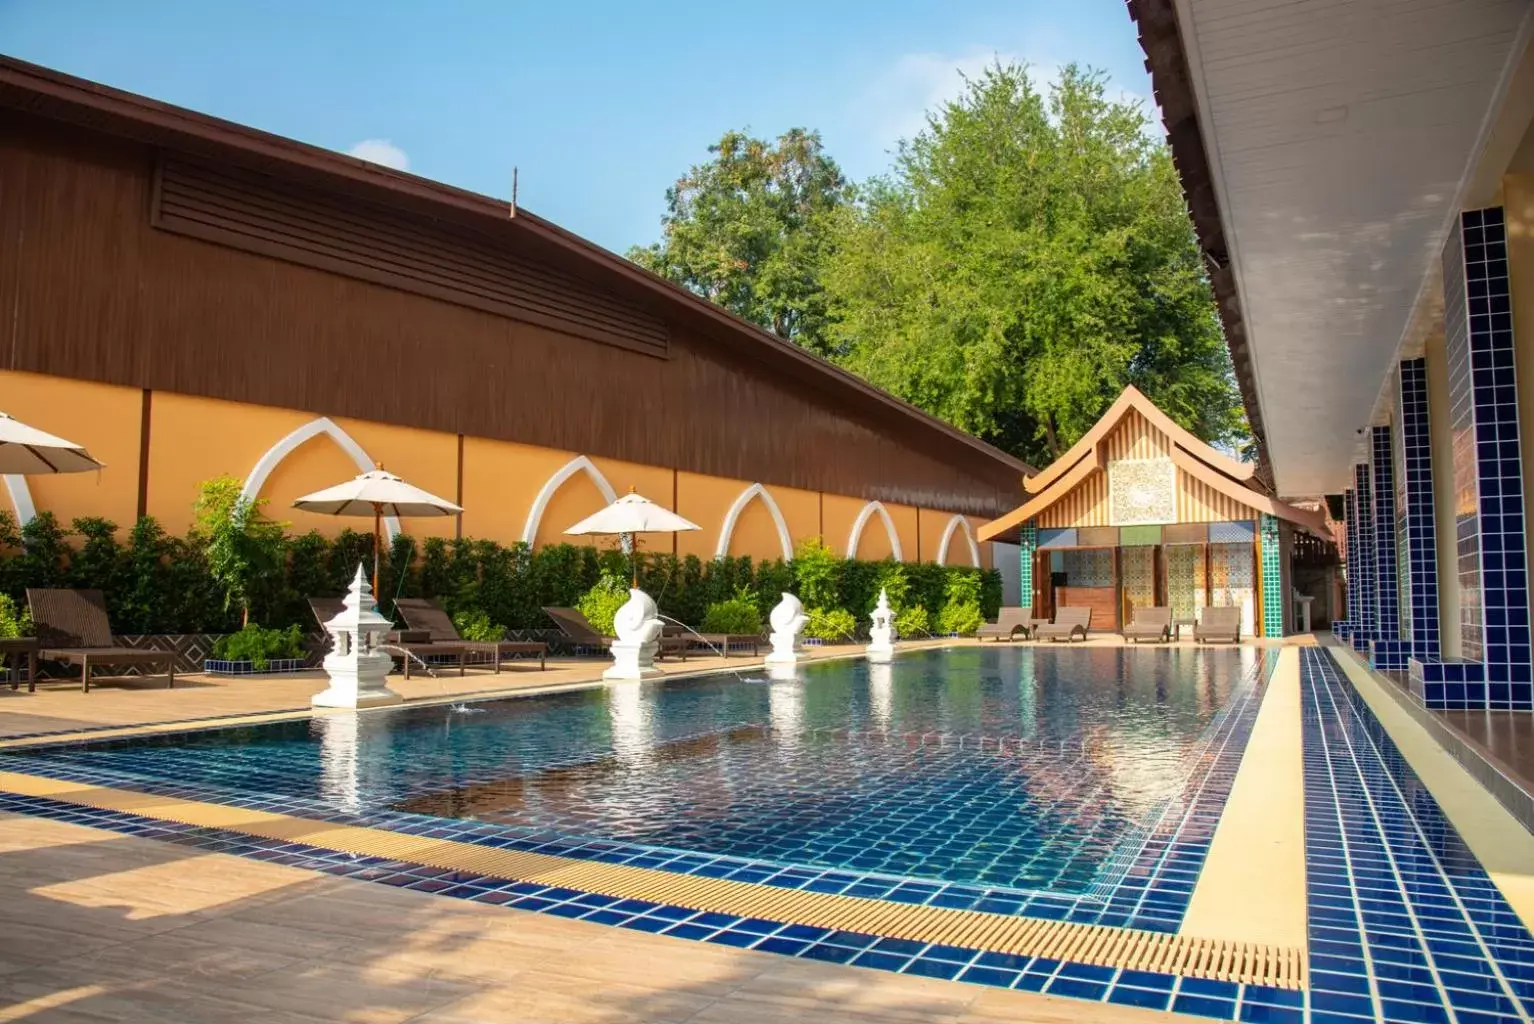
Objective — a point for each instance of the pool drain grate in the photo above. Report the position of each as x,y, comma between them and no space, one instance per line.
1059,940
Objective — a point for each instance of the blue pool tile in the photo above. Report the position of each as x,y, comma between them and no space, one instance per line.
1199,1006
989,976
930,968
829,953
1260,1013
1076,988
1144,997
881,961
729,937
789,947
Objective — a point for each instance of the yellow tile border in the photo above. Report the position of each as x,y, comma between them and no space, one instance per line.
1252,885
1503,846
1224,960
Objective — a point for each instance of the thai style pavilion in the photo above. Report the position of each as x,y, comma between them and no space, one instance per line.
1140,513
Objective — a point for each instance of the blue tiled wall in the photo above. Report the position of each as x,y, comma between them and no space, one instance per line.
1365,626
1418,533
1387,594
1488,480
1348,626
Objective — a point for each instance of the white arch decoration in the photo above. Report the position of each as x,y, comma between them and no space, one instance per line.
293,441
579,464
889,527
21,499
785,541
958,524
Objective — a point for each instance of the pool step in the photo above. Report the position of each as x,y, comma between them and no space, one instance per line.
1098,945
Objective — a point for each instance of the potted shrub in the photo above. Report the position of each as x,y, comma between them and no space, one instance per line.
256,650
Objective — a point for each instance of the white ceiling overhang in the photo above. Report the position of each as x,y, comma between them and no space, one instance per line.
1341,138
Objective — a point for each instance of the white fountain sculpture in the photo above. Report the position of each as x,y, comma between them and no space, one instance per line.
358,669
787,621
881,647
638,628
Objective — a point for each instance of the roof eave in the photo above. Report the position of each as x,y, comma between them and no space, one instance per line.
1167,61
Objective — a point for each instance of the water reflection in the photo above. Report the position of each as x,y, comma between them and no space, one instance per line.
881,702
629,714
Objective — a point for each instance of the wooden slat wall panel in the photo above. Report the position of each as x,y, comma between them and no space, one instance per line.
260,215
92,291
1136,438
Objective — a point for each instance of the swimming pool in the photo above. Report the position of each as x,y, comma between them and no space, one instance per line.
1007,771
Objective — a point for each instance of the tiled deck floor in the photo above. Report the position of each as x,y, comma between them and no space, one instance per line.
98,927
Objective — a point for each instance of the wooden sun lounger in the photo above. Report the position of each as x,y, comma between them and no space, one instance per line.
1150,624
420,645
1070,624
1218,624
719,641
1009,622
73,629
581,632
422,615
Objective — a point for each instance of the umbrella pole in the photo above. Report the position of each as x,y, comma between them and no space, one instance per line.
634,563
377,530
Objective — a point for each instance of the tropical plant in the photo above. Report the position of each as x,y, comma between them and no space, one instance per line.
817,571
473,624
601,603
913,622
830,624
961,617
260,646
739,615
244,548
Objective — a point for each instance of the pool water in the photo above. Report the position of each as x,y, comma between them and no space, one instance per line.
999,766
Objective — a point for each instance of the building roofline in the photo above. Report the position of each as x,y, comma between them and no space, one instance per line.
1172,83
52,94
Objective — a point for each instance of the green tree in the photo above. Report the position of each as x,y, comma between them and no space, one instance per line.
749,230
1029,256
245,549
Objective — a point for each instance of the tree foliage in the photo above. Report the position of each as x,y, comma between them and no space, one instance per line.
1027,256
748,230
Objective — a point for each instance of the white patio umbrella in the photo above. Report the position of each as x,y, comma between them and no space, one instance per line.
376,493
632,514
27,451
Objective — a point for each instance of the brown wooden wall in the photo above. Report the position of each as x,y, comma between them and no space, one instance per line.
92,290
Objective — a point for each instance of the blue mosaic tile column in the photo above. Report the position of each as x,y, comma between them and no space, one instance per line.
1418,528
1386,650
1272,569
1362,618
1027,544
1488,479
1343,628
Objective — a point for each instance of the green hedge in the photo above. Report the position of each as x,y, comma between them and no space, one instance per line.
157,583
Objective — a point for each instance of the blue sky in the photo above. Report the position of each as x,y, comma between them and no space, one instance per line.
600,105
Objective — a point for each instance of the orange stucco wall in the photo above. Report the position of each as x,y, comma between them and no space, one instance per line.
194,439
934,525
103,418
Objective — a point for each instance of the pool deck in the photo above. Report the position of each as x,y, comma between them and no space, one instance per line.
98,927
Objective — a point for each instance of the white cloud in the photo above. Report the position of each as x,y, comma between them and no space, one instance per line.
381,151
897,103
900,99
